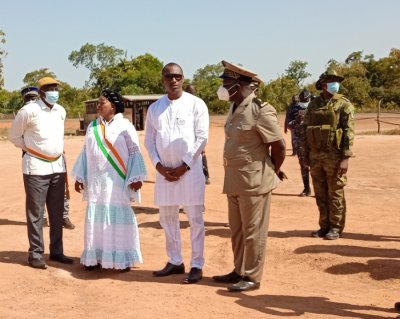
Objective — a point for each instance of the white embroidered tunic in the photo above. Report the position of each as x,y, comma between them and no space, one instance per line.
177,132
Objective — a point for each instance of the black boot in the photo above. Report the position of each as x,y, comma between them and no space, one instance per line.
306,182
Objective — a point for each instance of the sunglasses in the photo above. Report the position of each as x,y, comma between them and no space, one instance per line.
171,76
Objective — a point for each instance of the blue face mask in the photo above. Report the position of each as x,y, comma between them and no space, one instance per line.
51,97
333,87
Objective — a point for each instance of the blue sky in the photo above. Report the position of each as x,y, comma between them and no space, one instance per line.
264,36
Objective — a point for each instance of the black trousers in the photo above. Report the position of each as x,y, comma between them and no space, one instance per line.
44,190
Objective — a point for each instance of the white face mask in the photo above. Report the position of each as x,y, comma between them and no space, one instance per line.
303,104
223,93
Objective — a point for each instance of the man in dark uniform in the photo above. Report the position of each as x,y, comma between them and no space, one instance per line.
30,93
253,154
289,110
329,136
295,123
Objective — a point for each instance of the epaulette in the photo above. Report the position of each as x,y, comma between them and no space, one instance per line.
345,98
260,103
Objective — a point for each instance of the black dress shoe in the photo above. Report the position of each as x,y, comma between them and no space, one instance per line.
61,258
305,192
244,285
195,274
397,306
170,269
127,269
231,278
37,263
320,233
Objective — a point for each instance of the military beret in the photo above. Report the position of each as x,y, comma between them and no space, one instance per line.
327,77
233,71
304,94
31,90
47,81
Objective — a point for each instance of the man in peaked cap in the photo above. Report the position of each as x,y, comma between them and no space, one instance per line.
328,138
38,129
30,93
253,154
295,120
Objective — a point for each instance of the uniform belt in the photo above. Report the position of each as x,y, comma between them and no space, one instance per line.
237,162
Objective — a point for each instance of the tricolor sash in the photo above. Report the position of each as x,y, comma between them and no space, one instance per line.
41,156
112,155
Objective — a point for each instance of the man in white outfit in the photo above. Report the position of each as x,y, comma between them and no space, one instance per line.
176,133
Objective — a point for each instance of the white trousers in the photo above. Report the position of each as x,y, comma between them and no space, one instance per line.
169,220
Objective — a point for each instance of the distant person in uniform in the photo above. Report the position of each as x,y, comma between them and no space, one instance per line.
190,89
253,154
329,136
295,123
38,129
289,110
176,133
31,94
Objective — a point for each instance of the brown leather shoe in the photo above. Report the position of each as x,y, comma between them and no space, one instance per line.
170,269
231,278
67,224
194,275
37,263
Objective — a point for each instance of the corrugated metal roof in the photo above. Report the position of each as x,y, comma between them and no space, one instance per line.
152,97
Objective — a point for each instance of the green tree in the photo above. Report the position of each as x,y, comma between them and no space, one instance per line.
206,81
355,85
384,76
279,92
33,77
10,101
95,57
297,71
3,54
140,75
354,57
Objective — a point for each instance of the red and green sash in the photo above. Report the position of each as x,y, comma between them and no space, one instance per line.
112,155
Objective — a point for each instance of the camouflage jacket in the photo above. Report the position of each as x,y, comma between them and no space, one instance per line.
329,126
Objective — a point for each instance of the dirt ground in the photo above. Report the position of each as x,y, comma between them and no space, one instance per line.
357,276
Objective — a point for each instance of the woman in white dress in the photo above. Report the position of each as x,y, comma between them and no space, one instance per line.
110,171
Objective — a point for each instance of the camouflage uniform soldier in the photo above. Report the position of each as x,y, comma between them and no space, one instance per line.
295,123
329,135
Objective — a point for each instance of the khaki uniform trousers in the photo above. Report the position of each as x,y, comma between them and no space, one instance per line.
248,220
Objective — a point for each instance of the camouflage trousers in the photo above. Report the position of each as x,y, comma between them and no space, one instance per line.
304,168
329,190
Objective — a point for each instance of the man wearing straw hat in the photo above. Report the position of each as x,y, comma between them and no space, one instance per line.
38,129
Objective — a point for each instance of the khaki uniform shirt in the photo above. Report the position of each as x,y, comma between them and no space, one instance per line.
247,162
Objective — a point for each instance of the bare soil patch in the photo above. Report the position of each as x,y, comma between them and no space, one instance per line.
357,276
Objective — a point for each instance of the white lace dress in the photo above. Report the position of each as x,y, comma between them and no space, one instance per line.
111,231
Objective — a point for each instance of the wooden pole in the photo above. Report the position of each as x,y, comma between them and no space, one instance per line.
378,116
